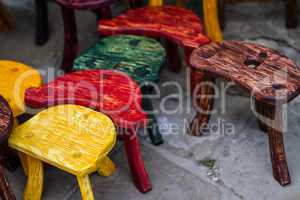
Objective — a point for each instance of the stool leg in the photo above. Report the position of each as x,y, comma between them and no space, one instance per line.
135,160
202,90
41,32
70,39
11,161
261,109
221,13
24,162
277,151
291,13
107,167
153,130
85,188
173,57
34,186
5,189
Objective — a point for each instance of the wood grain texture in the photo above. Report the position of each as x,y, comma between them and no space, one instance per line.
270,76
177,24
111,92
14,80
70,137
140,57
6,120
6,192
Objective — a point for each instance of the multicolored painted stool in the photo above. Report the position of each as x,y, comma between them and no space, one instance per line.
111,92
271,78
6,125
178,26
73,138
14,80
140,57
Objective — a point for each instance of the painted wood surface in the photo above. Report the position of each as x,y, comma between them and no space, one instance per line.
70,137
83,4
270,76
111,92
14,80
6,125
179,24
140,57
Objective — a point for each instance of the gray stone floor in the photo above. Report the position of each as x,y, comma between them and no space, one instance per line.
242,169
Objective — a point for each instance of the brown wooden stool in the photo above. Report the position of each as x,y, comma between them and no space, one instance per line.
271,78
6,125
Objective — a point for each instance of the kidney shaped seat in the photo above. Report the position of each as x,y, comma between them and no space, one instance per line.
111,92
177,24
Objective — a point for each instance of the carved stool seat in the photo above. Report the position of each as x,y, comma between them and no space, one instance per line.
73,138
271,78
179,26
111,92
140,57
6,125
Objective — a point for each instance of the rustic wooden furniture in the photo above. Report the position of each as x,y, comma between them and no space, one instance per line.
290,11
6,125
270,77
210,10
73,138
140,57
68,7
111,92
14,80
178,26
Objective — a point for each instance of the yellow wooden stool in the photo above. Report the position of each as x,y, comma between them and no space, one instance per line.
14,80
70,137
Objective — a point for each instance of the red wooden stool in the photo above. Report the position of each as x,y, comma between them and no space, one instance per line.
179,26
271,78
6,124
110,92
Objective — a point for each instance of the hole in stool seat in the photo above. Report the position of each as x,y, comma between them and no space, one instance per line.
251,63
278,86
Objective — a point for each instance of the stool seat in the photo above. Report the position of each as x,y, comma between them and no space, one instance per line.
269,76
111,92
140,57
178,24
70,137
82,4
14,80
6,119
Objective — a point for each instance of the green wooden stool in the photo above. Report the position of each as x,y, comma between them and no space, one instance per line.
140,57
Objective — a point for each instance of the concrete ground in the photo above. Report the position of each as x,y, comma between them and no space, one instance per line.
242,168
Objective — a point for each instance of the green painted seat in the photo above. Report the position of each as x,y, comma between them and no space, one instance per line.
140,57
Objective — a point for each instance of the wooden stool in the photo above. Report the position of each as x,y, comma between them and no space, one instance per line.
73,138
14,80
6,21
290,7
111,92
140,57
178,26
271,78
6,124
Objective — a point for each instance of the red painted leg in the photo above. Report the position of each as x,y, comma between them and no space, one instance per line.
277,151
70,39
104,12
173,57
136,163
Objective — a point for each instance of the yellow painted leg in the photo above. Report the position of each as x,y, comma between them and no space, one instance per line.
85,188
107,167
34,186
23,159
211,20
156,2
